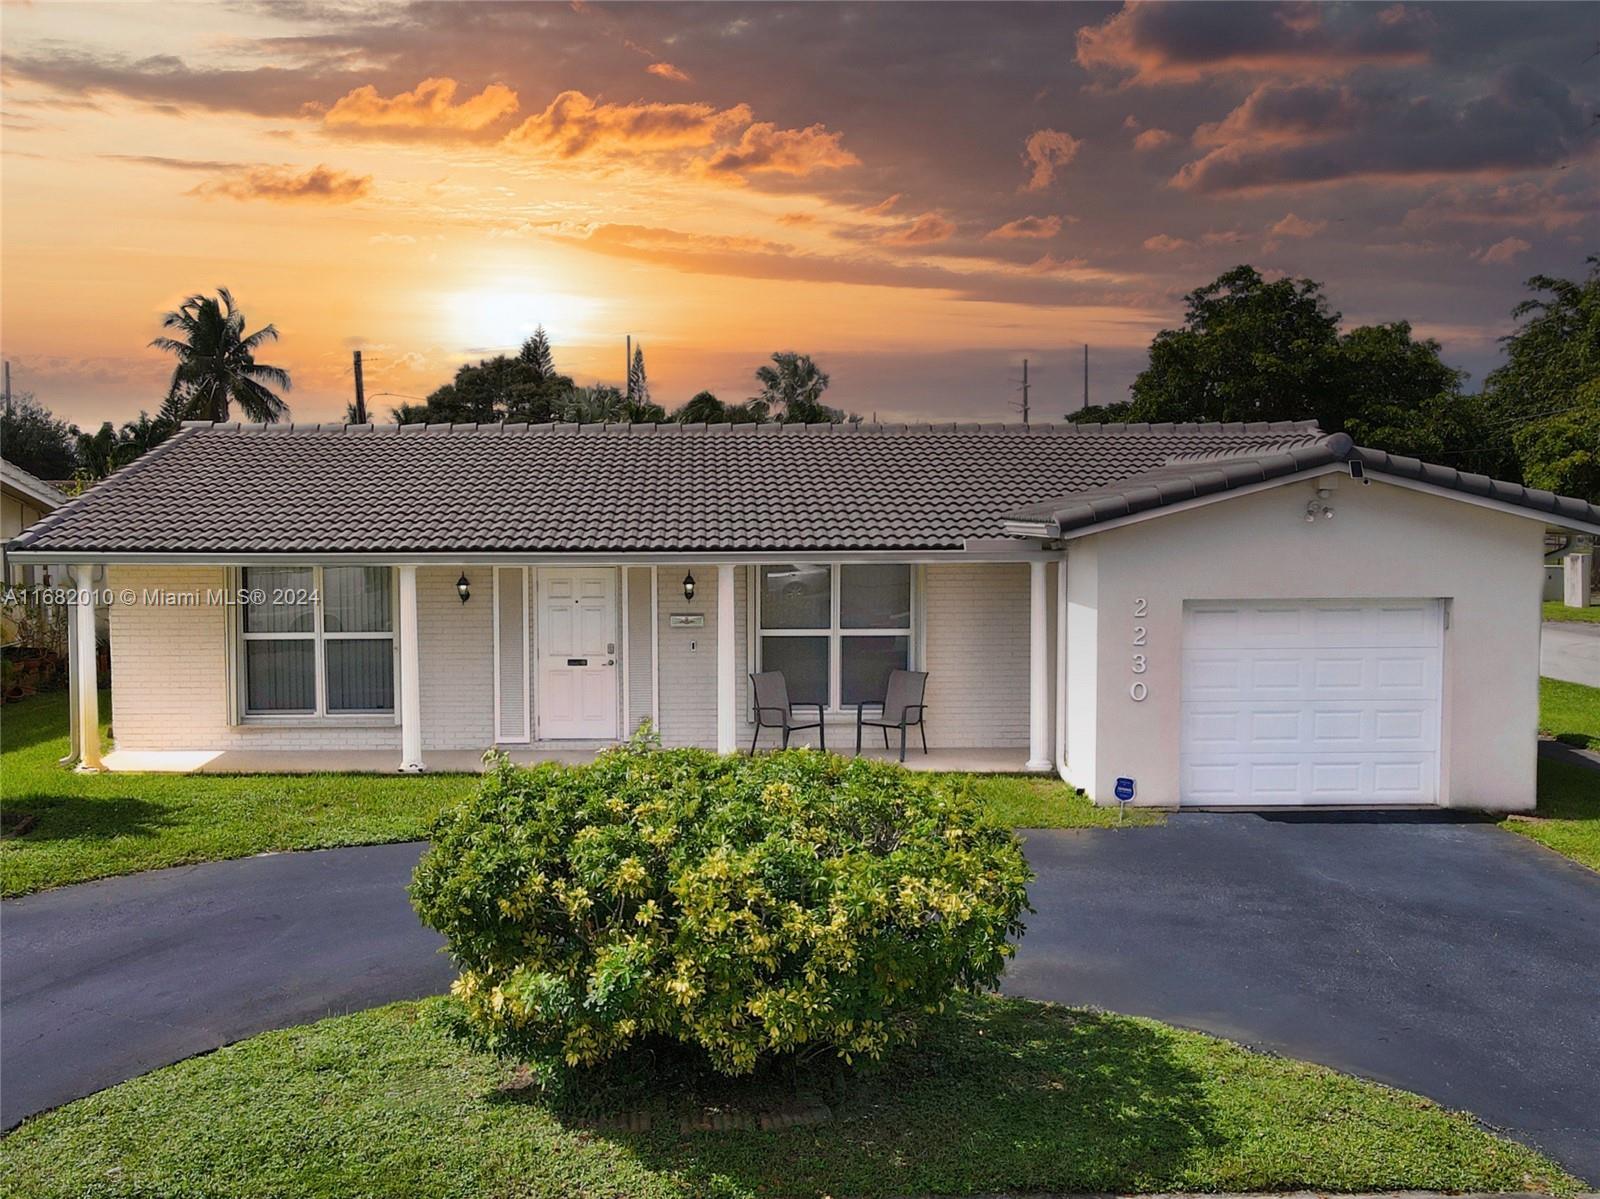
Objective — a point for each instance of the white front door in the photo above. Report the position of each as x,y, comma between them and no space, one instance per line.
578,662
1311,702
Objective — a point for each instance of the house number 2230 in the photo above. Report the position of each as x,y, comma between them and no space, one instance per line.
1138,690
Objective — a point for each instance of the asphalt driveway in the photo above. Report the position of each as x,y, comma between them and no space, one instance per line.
1448,958
1570,651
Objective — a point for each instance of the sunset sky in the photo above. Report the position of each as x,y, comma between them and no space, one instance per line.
919,196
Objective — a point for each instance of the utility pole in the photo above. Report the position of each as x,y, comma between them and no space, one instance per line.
8,386
361,392
1024,407
627,368
1085,374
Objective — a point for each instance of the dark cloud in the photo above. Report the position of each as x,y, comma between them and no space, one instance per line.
1292,135
1178,42
165,79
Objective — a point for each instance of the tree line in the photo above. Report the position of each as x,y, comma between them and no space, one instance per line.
1249,349
1254,350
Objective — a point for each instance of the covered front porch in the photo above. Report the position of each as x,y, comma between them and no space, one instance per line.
460,761
422,666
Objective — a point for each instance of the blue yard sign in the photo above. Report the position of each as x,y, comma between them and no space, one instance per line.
1124,790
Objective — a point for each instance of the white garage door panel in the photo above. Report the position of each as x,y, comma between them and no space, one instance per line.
1316,702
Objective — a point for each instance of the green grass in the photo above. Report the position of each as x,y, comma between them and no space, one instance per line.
1567,819
1570,712
1028,801
87,826
1002,1095
1556,610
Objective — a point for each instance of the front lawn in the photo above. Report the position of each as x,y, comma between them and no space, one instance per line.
76,827
87,826
1556,610
1570,712
1568,816
1002,1095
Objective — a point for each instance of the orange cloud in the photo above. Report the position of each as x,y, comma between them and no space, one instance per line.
1503,251
319,185
574,124
927,229
1045,151
765,147
665,70
1293,226
1184,43
883,206
1163,243
1154,139
1026,227
429,108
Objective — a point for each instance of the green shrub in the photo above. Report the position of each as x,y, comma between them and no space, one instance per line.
795,903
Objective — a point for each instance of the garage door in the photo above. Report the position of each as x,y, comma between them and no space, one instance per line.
1313,702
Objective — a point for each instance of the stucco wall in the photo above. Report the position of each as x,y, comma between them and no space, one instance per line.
1385,542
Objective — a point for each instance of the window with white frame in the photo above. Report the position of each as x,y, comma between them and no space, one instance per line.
317,641
835,630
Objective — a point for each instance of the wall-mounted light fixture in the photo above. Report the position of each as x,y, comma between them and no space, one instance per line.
688,586
1320,506
463,588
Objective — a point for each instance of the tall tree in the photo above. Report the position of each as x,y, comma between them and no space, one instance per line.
792,387
702,409
105,450
1250,350
1547,393
217,365
538,356
32,437
638,382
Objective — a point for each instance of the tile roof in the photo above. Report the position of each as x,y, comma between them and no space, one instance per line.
1195,474
620,488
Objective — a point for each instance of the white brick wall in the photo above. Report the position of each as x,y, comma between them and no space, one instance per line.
977,654
170,664
170,679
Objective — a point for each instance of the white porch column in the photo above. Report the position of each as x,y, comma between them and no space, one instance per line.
85,684
727,689
1038,667
74,668
410,683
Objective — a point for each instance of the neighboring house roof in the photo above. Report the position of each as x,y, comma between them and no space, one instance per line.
1191,476
44,496
219,489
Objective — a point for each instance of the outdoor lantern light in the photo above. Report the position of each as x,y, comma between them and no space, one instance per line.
463,588
688,586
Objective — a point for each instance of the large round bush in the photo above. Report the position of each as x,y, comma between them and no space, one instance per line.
751,907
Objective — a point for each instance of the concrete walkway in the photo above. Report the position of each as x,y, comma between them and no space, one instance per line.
1441,956
1570,651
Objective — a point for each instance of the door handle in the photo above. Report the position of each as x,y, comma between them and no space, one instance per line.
611,661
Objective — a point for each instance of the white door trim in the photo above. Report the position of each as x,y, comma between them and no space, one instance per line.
500,572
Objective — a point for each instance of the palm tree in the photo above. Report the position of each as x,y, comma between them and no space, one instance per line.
795,385
217,364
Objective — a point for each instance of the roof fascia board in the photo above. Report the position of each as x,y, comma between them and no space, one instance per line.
1548,519
991,551
33,489
1104,526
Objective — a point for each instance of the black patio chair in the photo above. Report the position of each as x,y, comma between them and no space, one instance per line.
902,708
774,711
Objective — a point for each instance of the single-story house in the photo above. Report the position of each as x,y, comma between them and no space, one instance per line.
1240,614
